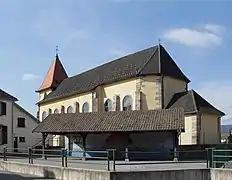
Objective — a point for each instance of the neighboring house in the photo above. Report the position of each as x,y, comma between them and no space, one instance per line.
145,80
16,124
226,130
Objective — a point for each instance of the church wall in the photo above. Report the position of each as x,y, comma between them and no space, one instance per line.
151,92
186,138
172,86
209,132
44,93
71,101
122,89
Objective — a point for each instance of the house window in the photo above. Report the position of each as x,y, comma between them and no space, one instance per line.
108,105
44,114
3,134
85,107
49,111
2,108
77,107
70,109
127,103
62,109
56,111
21,122
22,139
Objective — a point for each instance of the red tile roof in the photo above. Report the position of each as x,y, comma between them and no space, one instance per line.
55,75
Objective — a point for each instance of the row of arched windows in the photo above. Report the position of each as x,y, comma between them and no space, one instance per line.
108,106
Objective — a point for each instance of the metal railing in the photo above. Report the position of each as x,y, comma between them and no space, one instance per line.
63,156
221,158
110,157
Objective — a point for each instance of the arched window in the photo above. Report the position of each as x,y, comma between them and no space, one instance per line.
56,111
127,103
108,105
44,114
70,109
77,105
85,107
49,111
62,109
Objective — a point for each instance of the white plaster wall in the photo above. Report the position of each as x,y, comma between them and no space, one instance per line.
7,121
26,132
30,124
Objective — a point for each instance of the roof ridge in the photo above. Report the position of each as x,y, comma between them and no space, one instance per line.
194,100
27,112
148,60
9,95
106,63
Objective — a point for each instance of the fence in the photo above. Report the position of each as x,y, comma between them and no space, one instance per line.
108,157
221,158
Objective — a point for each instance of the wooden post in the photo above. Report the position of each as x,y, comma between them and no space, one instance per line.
69,146
84,136
44,136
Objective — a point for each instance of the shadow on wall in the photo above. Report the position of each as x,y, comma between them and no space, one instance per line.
9,176
144,105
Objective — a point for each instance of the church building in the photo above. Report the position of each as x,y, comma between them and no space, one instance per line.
140,101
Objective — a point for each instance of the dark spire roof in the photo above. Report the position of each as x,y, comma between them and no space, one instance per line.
151,61
55,75
192,102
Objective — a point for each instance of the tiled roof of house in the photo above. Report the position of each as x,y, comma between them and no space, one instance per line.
6,96
55,75
192,102
115,121
152,61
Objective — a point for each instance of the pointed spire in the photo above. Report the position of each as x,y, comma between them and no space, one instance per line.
55,75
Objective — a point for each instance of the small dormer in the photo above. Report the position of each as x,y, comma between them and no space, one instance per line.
55,75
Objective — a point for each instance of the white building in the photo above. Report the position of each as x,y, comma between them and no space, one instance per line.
16,124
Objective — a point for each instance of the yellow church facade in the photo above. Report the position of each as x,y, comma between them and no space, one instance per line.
145,80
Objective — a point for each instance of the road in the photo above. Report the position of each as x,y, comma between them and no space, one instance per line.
14,176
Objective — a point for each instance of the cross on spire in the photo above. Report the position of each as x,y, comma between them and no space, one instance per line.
57,50
159,41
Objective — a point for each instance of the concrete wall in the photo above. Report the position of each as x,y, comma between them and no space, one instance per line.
85,174
54,172
221,174
193,174
210,132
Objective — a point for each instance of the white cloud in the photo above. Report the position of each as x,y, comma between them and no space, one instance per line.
215,28
29,77
219,94
208,36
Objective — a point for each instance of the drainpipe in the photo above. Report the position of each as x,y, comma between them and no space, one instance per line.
12,124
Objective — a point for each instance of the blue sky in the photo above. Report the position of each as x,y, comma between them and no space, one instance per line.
197,34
